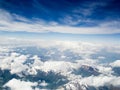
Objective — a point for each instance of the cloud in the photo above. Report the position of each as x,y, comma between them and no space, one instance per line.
92,81
19,63
15,84
115,63
12,22
101,80
50,56
105,69
14,63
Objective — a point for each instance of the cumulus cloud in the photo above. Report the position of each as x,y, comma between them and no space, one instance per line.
57,66
101,80
95,81
13,22
14,63
105,69
115,63
15,84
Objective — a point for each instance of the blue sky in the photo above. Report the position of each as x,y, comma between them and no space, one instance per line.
52,19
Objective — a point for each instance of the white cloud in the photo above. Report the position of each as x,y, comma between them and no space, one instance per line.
115,63
8,23
43,83
113,48
95,81
105,70
101,80
57,66
88,9
15,84
14,62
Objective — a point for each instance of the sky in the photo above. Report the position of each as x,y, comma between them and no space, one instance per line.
95,20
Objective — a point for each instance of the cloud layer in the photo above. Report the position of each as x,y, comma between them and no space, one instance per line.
13,23
59,65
